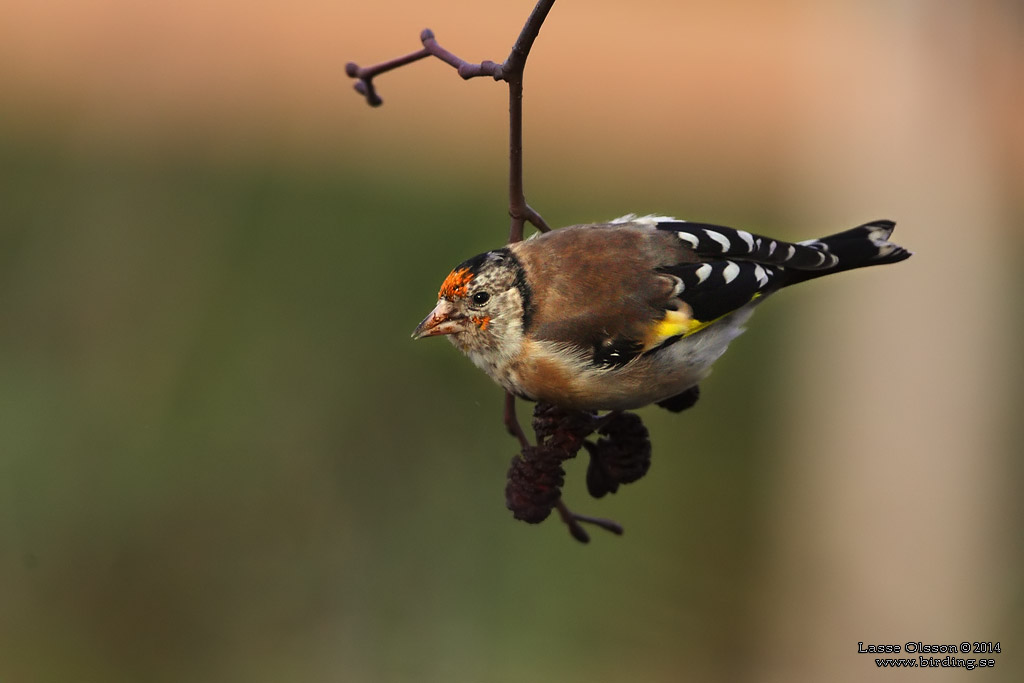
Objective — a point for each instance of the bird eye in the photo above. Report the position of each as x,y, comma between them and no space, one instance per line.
480,298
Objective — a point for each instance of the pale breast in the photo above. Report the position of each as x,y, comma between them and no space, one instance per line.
553,373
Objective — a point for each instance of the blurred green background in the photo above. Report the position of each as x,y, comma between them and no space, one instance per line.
222,458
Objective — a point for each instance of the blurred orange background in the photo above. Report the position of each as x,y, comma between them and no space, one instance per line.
222,459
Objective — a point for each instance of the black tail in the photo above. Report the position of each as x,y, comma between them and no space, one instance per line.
734,266
866,245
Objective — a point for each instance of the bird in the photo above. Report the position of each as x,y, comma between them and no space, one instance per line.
620,315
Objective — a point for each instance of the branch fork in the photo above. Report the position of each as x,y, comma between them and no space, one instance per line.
536,475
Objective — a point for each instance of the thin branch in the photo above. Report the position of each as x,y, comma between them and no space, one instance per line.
364,84
520,213
466,70
514,67
364,75
510,71
512,422
572,520
516,61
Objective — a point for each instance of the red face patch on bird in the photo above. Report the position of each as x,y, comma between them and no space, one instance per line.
456,284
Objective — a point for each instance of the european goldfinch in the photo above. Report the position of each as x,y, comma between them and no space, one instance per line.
618,315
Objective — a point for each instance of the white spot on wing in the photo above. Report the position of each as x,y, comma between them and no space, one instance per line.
730,272
720,238
654,218
703,272
771,247
761,274
789,254
746,237
821,258
879,238
650,220
689,238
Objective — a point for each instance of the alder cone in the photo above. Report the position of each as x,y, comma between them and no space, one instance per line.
535,480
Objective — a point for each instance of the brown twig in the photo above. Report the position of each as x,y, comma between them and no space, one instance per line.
512,422
364,75
514,66
572,520
511,71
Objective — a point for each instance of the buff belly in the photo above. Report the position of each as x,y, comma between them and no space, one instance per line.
564,376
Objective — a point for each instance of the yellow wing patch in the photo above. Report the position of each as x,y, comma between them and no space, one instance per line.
674,324
680,323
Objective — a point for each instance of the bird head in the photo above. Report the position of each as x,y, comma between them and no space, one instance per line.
480,307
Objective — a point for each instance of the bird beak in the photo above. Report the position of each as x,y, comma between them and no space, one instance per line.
442,320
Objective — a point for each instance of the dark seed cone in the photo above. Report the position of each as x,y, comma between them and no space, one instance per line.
599,482
621,456
560,428
535,481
